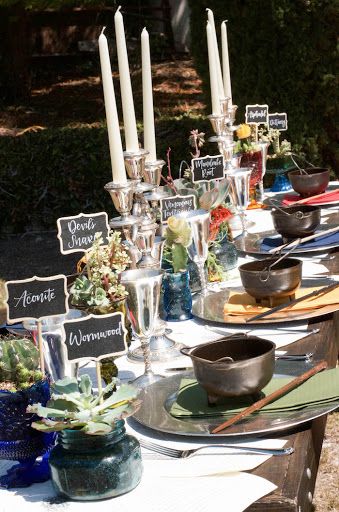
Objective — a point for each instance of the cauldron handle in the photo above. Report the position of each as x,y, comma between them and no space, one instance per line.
186,350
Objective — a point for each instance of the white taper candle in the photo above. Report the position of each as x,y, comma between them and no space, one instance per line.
210,17
225,62
147,98
114,138
131,134
216,108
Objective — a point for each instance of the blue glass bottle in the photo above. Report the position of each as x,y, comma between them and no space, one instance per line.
177,298
93,467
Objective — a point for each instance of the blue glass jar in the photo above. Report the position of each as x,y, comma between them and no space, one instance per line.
93,467
177,297
19,441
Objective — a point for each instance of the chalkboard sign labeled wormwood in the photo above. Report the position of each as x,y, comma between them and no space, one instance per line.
175,205
36,298
76,234
95,337
207,168
278,121
256,114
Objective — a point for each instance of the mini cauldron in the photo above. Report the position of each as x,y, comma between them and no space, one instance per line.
236,365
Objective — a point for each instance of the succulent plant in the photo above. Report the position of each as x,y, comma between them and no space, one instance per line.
74,406
178,237
19,363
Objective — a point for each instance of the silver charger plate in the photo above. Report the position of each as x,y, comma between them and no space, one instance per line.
156,401
251,243
211,307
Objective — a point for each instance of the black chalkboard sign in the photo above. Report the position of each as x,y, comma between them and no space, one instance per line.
256,114
36,298
176,204
76,234
207,168
278,121
95,337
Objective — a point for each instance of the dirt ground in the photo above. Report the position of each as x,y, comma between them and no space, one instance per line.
68,100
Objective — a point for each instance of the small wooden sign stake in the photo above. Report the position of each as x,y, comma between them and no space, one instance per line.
98,371
40,345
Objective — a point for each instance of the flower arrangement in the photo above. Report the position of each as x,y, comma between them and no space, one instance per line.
74,406
178,238
101,288
244,143
219,231
219,227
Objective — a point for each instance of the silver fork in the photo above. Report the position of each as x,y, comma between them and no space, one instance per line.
184,454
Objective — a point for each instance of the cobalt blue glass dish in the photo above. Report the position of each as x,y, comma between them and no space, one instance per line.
19,441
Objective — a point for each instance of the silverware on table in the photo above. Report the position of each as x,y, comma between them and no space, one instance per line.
325,289
282,330
184,454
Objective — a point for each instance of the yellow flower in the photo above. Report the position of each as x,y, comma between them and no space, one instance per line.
243,131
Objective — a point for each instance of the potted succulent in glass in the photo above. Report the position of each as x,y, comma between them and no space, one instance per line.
177,297
21,384
100,292
94,458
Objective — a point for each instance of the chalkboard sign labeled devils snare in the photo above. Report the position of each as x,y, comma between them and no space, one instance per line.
76,234
256,114
95,337
176,204
207,168
278,121
36,298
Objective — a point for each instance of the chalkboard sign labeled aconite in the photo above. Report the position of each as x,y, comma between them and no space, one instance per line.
36,298
207,168
256,114
278,121
95,337
175,205
76,234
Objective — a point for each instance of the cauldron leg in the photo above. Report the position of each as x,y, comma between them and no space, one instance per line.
291,297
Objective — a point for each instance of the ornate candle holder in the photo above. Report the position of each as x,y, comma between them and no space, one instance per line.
218,123
152,175
145,242
135,163
122,197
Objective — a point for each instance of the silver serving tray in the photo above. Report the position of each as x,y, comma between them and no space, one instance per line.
251,243
157,400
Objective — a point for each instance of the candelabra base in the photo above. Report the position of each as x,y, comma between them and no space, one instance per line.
162,349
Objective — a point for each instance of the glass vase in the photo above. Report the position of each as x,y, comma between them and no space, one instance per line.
177,297
94,467
253,159
226,253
